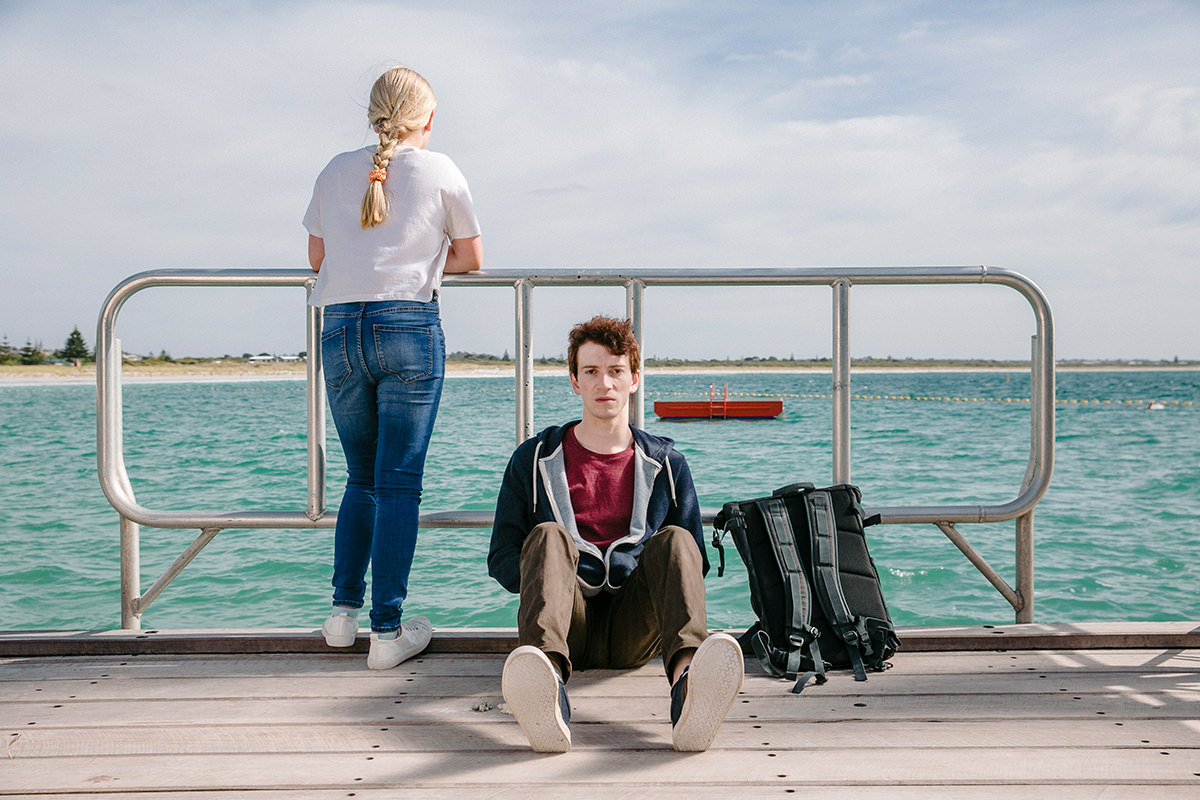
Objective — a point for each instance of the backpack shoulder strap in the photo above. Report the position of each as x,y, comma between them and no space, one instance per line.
801,637
730,516
852,630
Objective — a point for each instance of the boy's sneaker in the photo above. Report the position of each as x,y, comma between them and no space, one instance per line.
537,699
412,638
340,629
702,696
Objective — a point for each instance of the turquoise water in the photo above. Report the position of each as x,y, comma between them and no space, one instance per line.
1116,536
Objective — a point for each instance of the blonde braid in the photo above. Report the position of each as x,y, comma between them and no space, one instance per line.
375,202
401,103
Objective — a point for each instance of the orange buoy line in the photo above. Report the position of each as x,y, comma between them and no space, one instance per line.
947,399
1153,404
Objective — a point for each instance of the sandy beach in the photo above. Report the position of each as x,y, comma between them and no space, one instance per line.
205,371
13,375
158,372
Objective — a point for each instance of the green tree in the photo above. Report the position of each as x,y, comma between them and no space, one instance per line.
75,348
6,352
32,354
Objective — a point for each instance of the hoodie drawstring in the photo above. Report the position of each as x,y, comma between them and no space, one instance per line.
536,450
671,480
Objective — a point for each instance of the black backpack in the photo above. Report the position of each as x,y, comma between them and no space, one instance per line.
813,585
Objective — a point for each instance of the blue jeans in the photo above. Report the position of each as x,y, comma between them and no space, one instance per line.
384,365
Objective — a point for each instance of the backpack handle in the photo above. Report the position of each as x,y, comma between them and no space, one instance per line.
794,488
730,516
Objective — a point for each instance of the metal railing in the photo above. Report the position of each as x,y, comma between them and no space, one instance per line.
114,479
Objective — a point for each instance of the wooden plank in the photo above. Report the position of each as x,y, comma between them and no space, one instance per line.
22,715
118,738
581,769
502,640
230,642
48,669
334,664
721,791
384,686
911,671
1060,636
330,665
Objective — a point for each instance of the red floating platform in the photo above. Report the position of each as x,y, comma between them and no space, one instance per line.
718,408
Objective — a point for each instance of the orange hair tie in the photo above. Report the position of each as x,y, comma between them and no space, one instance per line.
377,175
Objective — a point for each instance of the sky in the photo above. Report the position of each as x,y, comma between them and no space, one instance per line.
1060,140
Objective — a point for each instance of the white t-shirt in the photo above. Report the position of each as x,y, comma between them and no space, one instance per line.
402,258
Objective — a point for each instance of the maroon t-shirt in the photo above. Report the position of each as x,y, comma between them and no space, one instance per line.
601,491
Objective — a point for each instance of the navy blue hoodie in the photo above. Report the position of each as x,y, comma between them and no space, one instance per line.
535,491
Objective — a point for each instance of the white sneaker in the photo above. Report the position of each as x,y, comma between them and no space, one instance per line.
537,699
414,637
702,696
340,629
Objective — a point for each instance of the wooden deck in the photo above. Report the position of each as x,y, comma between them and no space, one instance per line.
1086,712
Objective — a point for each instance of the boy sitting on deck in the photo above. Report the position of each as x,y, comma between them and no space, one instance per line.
598,529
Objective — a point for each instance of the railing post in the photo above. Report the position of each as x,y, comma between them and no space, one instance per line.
841,381
315,391
524,359
131,583
1023,548
109,393
634,294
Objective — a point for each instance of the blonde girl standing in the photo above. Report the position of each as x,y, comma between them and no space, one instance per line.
385,222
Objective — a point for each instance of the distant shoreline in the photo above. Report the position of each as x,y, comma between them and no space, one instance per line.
216,371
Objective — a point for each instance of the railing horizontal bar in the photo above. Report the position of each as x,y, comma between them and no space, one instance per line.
212,277
812,276
907,515
224,520
894,515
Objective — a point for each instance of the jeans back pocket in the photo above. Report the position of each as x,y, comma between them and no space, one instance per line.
335,359
407,351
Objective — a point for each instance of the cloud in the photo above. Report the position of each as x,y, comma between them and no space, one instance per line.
804,56
1157,117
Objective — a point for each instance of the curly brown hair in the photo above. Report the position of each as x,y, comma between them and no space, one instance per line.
614,334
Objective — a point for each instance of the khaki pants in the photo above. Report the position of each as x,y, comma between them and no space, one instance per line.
660,607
